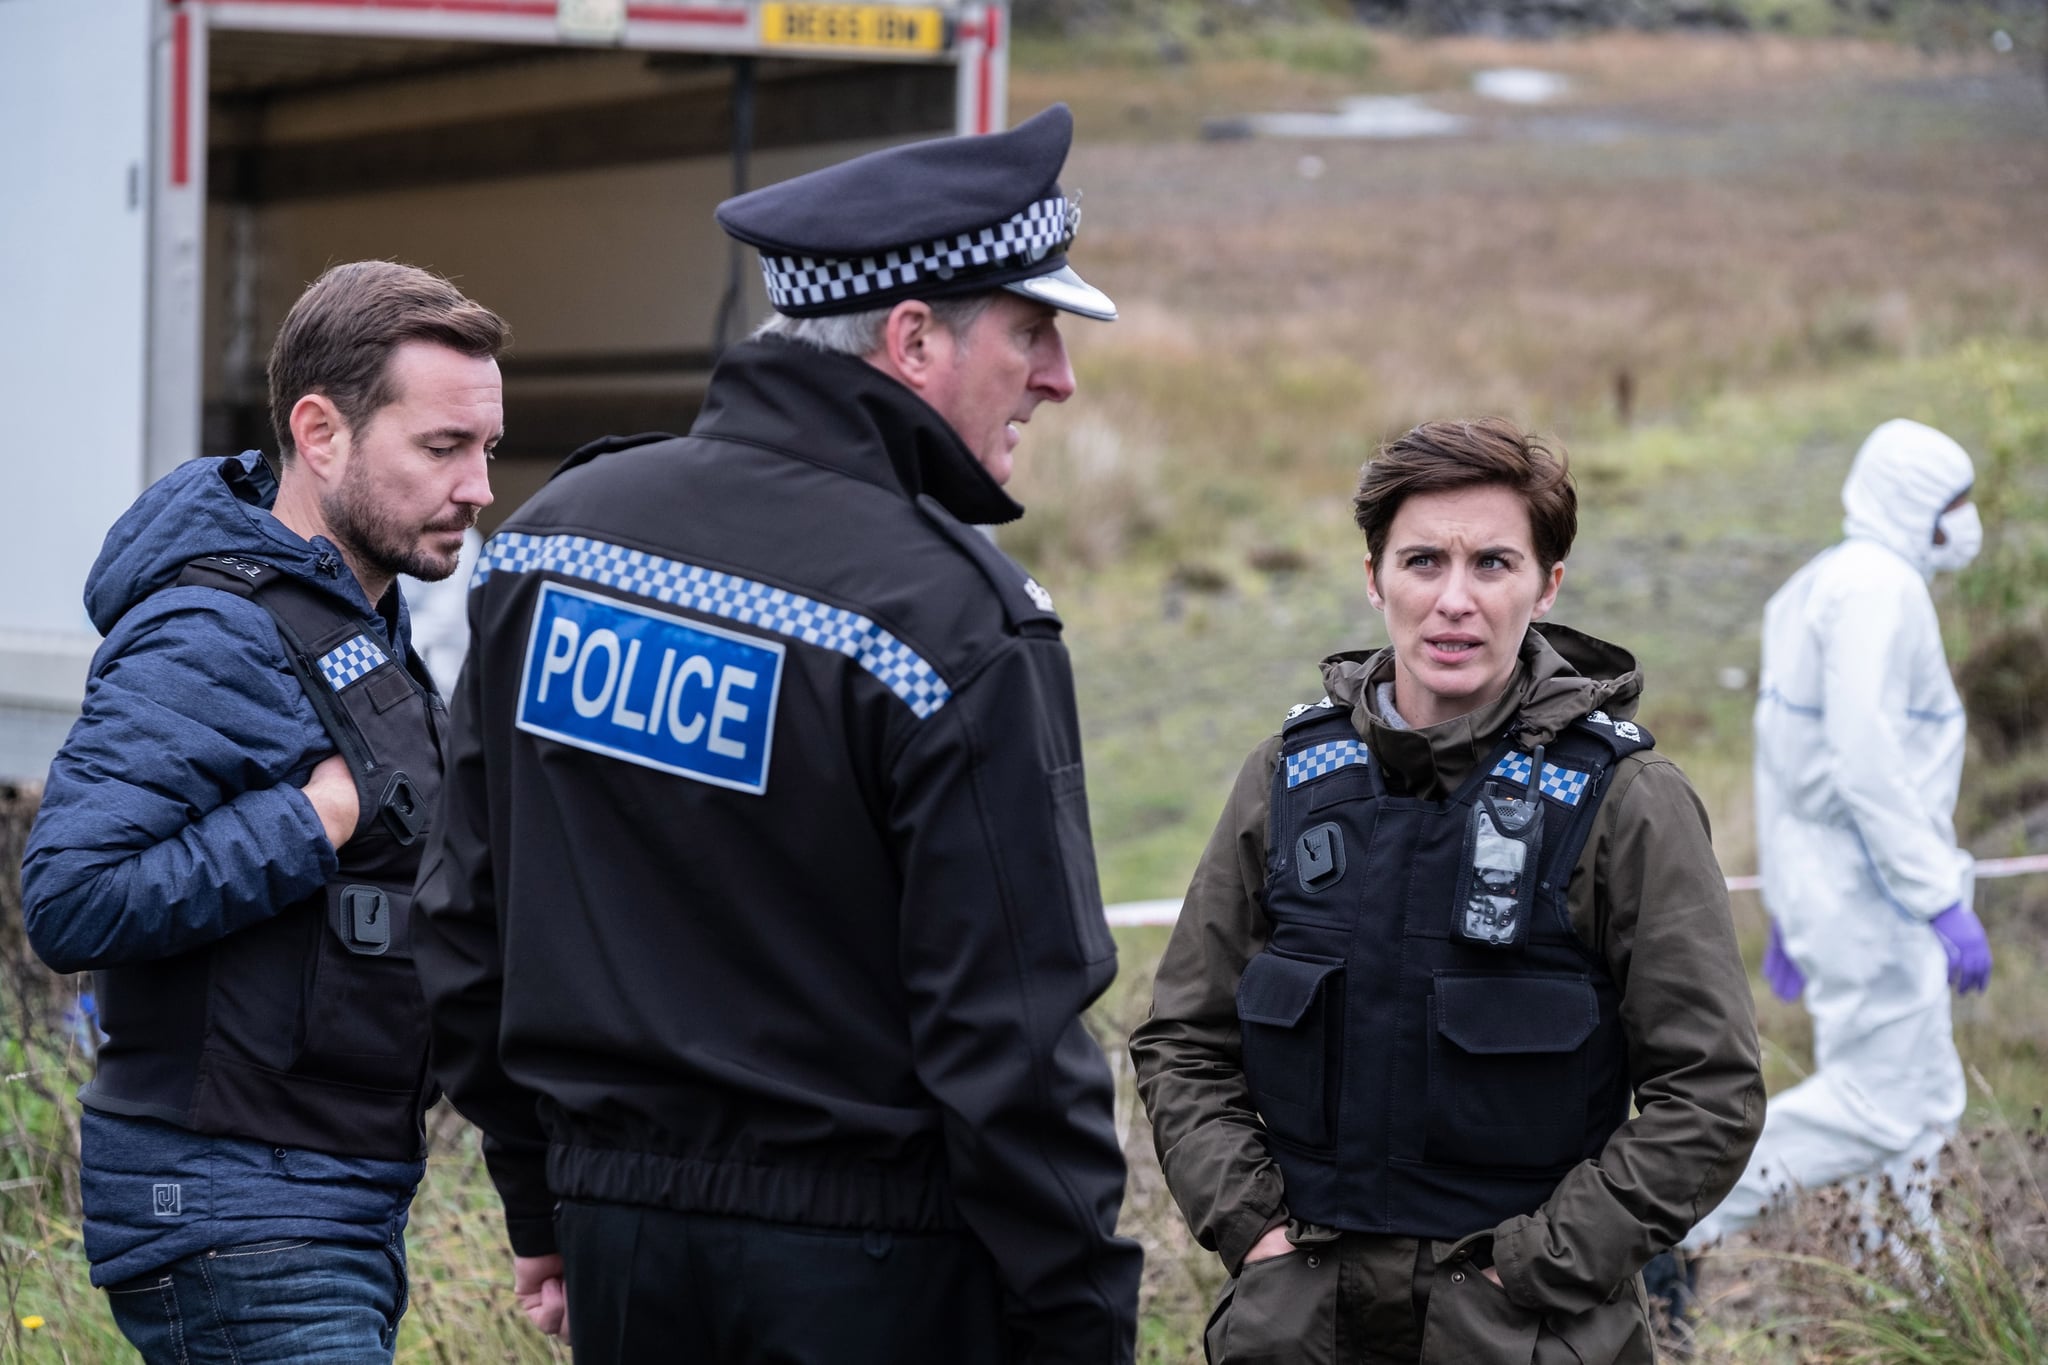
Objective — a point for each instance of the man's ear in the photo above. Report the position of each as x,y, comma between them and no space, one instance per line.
911,343
319,437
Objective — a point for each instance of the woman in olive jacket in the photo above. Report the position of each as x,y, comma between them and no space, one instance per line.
1456,919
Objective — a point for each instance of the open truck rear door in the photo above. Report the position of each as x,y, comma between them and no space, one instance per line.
180,169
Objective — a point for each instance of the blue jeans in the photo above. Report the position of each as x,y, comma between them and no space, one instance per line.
288,1300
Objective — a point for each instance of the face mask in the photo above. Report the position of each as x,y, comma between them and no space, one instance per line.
1965,534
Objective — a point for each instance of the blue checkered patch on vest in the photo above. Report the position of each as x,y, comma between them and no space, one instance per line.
1559,784
1318,760
343,665
899,667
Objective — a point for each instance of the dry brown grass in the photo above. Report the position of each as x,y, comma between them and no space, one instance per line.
1707,215
1951,1268
1164,100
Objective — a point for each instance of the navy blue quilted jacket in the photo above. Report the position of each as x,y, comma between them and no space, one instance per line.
172,815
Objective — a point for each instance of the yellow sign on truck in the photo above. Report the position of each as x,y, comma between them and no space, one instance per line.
875,28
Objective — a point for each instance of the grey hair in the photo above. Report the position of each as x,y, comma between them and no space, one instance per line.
860,334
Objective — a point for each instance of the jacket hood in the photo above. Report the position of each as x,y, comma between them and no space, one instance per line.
1561,675
839,410
1904,475
204,507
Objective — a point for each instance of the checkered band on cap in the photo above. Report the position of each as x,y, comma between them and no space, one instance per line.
1040,230
1559,784
1319,760
896,665
351,660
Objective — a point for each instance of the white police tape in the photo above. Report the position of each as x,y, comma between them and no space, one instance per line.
1133,914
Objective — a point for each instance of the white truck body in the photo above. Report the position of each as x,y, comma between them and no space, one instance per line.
178,170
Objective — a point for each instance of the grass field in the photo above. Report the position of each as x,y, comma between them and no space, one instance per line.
1708,272
1770,245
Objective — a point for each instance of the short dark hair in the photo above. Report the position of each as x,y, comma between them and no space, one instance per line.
1437,457
338,338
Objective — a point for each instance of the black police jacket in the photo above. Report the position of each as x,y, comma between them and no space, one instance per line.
763,883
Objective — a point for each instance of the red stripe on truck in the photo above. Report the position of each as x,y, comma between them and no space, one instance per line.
991,35
181,98
535,9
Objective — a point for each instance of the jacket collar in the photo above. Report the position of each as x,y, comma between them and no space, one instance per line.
1560,675
841,413
215,507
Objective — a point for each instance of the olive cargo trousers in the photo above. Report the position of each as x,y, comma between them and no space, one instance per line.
1350,1299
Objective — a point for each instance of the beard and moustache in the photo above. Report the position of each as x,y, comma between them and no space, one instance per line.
377,537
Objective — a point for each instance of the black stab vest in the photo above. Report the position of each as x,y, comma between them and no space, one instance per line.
1412,1083
306,1029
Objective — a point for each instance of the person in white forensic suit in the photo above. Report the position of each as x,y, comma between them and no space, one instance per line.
1859,756
440,616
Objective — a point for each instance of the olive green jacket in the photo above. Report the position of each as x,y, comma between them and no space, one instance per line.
1646,894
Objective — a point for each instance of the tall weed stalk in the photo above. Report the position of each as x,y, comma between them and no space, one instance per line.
1950,1268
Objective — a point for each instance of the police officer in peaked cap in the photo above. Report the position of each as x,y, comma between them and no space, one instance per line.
762,911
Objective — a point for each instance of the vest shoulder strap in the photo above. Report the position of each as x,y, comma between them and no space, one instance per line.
1026,605
1317,741
339,664
314,619
1304,714
231,573
1620,737
605,445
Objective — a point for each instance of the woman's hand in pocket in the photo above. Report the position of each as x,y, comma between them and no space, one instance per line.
1274,1243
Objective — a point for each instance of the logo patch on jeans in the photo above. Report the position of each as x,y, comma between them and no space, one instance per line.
167,1201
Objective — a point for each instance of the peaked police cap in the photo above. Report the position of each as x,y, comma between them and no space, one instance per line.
955,215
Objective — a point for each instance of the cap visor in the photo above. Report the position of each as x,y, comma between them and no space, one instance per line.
1065,290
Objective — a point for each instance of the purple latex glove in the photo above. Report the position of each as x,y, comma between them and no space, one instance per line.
1786,981
1969,952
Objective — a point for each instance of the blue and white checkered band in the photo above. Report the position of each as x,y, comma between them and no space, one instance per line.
899,667
1047,226
1319,760
1559,784
344,664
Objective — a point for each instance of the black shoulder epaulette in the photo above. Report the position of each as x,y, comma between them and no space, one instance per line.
1622,737
1024,601
237,575
605,445
1307,713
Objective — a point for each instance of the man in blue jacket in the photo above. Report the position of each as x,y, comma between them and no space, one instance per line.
229,836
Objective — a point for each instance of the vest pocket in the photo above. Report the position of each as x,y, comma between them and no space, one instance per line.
1292,1013
1507,1071
366,1021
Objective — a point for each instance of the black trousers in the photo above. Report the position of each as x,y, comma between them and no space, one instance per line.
650,1286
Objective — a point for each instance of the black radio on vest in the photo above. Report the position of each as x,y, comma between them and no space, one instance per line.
307,1029
1503,846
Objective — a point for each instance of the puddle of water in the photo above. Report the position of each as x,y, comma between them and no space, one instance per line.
1519,85
1367,116
1392,117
